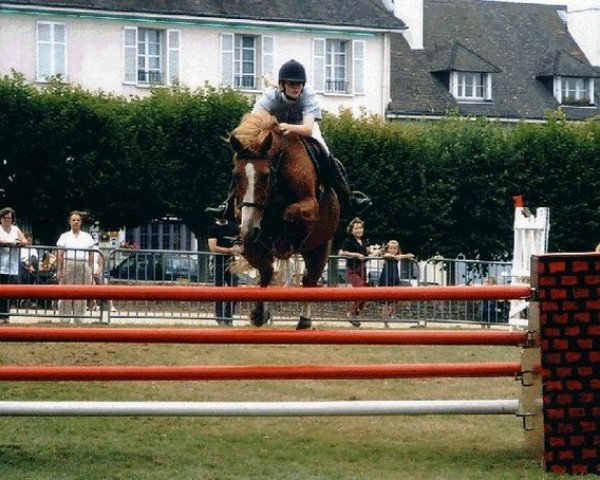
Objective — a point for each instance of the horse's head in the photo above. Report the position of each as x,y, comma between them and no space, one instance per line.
252,178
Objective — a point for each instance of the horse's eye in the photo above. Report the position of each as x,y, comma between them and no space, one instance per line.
264,177
237,178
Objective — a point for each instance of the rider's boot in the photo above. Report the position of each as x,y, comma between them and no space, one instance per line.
353,202
225,209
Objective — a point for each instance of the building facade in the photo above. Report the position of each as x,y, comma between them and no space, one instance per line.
127,47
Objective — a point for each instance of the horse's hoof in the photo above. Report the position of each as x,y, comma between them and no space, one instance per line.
257,320
304,323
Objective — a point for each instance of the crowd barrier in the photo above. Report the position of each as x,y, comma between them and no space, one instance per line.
125,266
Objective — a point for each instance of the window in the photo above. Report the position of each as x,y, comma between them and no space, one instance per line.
51,50
338,66
244,62
473,86
151,56
162,236
244,59
576,91
335,66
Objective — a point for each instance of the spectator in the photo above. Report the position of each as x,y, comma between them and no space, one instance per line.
356,250
221,238
491,311
390,273
75,264
98,278
28,267
10,258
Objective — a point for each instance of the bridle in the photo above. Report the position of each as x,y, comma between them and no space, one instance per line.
274,165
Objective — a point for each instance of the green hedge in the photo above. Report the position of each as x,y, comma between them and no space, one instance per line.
439,188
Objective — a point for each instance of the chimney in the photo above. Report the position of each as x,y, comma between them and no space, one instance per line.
411,13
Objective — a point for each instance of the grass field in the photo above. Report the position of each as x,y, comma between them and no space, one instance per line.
388,447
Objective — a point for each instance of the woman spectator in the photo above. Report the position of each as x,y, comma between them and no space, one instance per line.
356,251
11,238
390,273
75,260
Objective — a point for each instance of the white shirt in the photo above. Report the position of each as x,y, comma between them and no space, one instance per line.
9,256
73,243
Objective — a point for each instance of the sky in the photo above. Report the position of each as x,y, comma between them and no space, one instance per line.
547,2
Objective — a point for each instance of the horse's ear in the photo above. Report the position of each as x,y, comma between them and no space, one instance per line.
235,144
266,145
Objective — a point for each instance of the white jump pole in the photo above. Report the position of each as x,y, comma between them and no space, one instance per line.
256,409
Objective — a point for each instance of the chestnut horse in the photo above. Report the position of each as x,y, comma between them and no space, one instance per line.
281,206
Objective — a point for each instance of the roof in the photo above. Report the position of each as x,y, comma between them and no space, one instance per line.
519,43
370,14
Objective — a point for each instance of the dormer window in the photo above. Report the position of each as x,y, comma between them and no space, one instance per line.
574,91
471,86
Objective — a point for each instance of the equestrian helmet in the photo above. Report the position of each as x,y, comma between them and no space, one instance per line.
292,71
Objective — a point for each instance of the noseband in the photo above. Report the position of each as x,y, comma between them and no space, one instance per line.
259,206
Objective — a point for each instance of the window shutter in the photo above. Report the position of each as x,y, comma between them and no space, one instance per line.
591,93
358,73
227,59
558,88
130,54
173,48
453,87
268,47
319,64
487,94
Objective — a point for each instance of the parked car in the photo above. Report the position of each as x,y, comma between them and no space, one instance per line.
157,266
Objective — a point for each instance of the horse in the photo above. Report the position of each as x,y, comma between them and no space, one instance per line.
281,205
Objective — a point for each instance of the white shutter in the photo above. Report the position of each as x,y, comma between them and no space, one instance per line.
454,84
557,88
173,49
592,93
488,86
319,64
130,54
227,59
358,73
268,47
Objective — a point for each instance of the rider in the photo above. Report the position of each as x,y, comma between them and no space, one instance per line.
296,109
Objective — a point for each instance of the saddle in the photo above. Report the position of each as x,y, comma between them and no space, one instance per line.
321,159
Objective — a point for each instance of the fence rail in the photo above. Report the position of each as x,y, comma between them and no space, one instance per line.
174,267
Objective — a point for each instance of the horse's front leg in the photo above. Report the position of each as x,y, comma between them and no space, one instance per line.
299,218
261,315
304,210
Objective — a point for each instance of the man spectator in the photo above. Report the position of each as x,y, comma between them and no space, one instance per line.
221,237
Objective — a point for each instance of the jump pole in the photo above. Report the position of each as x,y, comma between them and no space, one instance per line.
40,373
258,409
261,337
287,294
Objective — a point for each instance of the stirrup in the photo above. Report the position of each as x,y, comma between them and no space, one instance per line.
359,202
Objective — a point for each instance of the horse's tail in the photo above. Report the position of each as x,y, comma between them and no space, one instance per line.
239,265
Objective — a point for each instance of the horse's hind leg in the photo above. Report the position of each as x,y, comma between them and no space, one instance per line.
314,261
259,316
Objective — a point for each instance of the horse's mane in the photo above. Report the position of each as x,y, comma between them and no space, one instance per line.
253,129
